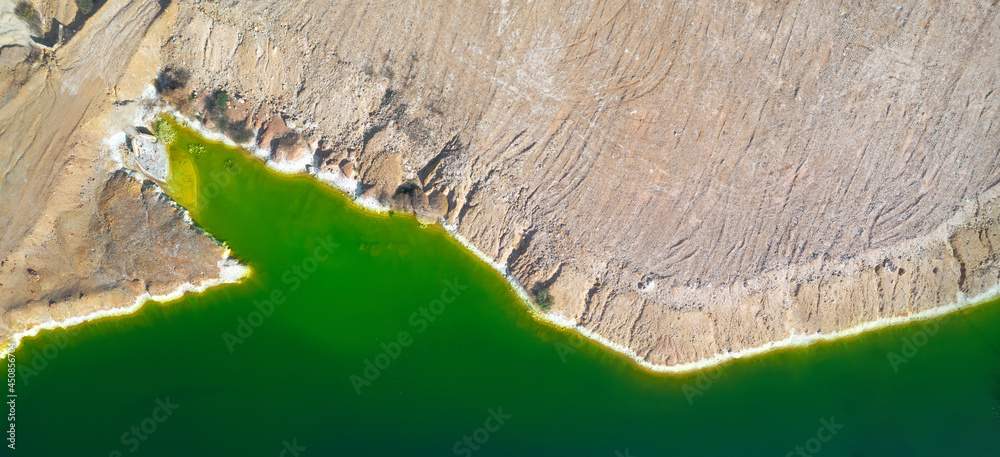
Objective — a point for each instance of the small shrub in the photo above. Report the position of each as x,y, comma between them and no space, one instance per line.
25,11
215,110
220,100
408,187
85,6
171,79
543,299
165,132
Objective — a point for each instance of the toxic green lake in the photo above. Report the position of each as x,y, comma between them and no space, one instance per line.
361,334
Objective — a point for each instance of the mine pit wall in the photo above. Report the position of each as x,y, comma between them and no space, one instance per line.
679,215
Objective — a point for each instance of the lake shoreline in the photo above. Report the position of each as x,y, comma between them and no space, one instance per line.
348,187
559,321
230,272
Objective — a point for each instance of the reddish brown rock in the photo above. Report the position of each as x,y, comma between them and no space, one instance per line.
291,147
347,167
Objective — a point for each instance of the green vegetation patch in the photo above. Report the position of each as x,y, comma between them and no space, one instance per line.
85,6
165,132
543,299
196,149
27,12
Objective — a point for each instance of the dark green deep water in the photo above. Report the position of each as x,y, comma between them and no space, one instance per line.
288,384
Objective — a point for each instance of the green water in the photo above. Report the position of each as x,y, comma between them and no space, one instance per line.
288,385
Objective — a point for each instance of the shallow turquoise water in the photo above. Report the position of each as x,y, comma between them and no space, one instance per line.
194,381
